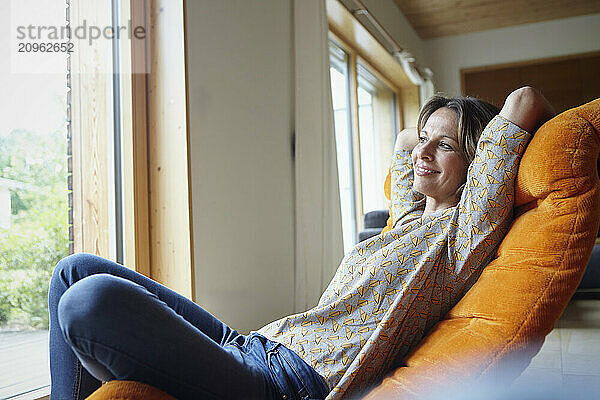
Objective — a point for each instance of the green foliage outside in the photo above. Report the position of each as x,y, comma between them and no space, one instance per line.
38,235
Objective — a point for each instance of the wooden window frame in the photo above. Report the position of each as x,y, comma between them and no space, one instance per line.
88,130
155,170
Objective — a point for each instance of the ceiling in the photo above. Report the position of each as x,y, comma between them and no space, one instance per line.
436,18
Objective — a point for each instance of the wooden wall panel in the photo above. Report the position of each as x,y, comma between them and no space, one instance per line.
495,83
566,81
589,76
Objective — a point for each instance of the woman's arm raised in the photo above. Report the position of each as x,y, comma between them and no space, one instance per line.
403,199
527,108
485,209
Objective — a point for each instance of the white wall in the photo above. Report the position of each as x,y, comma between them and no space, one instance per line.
240,98
525,42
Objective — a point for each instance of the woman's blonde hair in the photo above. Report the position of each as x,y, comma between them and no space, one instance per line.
472,116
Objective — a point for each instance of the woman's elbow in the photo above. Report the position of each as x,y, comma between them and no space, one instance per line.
527,108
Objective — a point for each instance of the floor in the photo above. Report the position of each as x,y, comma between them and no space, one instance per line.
24,365
568,363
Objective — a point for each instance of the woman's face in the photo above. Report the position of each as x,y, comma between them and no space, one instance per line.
440,168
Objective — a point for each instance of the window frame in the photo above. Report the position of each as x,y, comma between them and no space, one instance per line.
155,200
356,57
88,130
155,137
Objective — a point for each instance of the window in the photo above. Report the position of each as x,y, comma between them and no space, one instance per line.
115,134
343,138
366,120
34,232
373,98
377,121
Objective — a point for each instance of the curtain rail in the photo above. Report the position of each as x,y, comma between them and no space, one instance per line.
416,72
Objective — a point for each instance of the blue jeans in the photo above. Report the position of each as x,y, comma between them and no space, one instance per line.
108,322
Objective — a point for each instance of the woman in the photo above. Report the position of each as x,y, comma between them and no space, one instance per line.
108,322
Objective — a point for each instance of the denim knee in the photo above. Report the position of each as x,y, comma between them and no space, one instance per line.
89,304
67,267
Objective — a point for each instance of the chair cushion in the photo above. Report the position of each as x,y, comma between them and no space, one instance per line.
368,233
128,390
376,219
501,322
591,277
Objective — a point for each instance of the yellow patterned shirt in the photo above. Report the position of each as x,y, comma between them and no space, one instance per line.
391,289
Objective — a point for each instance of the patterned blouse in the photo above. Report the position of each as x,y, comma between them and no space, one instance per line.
391,289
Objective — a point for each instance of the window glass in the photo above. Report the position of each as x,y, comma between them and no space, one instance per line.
377,126
33,205
343,139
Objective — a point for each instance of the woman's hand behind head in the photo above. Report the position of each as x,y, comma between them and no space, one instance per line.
406,139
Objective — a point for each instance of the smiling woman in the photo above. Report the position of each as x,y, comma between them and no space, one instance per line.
448,131
443,146
440,167
385,295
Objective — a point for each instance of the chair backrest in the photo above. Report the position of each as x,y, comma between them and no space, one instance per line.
501,322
